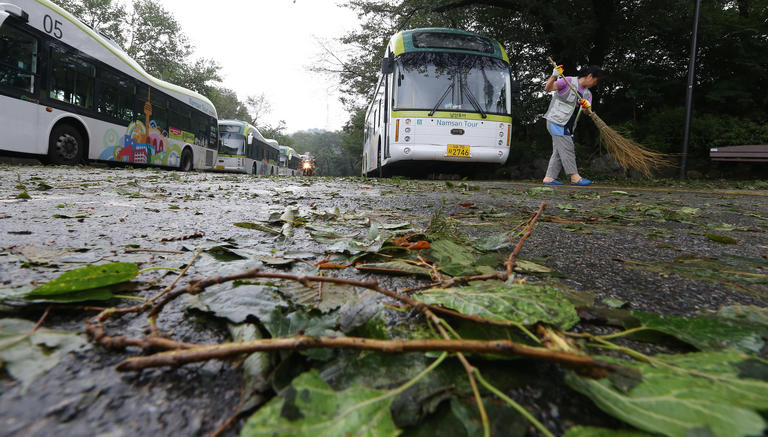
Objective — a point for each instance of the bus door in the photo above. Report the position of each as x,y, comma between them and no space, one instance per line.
19,89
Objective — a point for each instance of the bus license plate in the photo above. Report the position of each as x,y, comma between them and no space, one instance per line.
458,150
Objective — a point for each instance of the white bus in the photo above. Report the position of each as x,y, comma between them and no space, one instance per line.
244,150
443,100
289,161
68,94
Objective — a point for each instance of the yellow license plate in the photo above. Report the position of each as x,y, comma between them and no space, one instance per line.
458,150
219,167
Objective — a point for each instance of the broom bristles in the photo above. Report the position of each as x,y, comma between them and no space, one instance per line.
627,152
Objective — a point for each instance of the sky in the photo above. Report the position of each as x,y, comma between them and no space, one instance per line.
266,46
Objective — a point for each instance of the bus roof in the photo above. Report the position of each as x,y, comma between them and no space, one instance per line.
445,40
130,62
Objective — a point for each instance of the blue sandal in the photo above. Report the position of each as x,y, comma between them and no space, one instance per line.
554,182
582,182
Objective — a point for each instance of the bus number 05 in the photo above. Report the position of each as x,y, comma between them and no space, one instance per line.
52,27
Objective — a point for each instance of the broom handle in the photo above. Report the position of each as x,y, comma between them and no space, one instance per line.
554,64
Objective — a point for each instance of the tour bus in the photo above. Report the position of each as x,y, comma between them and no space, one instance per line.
69,94
244,150
443,99
289,161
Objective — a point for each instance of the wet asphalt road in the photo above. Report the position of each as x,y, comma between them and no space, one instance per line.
597,238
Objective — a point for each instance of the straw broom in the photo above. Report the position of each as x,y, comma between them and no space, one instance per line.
626,152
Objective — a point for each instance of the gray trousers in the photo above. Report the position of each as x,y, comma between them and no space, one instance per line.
563,155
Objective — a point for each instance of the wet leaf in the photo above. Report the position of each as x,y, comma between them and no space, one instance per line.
493,242
86,279
398,267
724,239
703,333
524,266
674,402
496,300
237,303
748,316
256,366
27,356
591,431
224,254
310,408
452,258
258,227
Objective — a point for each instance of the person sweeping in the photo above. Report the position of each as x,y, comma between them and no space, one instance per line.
570,96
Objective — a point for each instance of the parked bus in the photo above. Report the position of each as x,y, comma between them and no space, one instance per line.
69,94
444,97
289,161
244,150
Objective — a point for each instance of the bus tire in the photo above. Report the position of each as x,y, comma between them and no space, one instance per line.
66,145
186,160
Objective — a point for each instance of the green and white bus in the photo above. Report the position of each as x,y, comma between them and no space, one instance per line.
244,150
444,98
289,161
68,94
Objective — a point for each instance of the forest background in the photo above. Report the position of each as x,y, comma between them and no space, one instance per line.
644,44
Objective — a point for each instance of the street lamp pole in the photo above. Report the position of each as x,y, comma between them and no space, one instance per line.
689,93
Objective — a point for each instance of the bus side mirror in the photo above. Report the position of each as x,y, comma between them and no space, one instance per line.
387,65
514,87
250,139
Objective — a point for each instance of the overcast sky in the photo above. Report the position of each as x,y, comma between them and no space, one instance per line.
265,46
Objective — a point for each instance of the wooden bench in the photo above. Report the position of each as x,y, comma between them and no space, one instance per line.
740,153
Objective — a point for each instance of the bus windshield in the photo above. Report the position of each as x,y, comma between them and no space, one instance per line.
232,144
452,82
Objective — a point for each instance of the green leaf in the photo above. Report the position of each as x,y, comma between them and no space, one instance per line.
523,266
517,303
701,391
397,267
310,408
257,227
87,278
703,333
591,431
452,258
724,239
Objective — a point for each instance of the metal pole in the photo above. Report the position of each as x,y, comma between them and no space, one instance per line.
689,93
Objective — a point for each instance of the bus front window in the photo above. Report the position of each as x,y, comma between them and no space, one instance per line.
452,82
232,144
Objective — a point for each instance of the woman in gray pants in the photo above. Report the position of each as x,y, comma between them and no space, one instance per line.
561,120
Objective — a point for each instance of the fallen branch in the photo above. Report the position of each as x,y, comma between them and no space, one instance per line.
197,353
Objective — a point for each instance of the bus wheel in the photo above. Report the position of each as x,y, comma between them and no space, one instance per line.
65,145
186,160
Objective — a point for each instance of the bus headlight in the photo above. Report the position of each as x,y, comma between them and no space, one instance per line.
407,138
501,143
407,130
501,134
501,125
406,150
407,121
500,153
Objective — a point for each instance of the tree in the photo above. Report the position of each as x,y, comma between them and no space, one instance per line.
228,106
104,16
258,107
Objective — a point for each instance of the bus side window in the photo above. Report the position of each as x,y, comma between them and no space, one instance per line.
72,78
18,59
179,117
115,95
